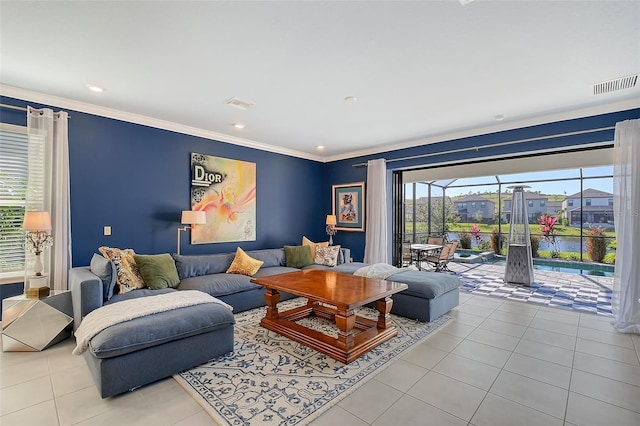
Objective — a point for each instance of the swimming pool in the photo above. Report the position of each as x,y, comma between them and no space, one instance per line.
567,266
583,268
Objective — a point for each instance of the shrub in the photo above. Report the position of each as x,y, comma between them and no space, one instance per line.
496,241
609,258
572,256
535,245
484,246
465,240
596,244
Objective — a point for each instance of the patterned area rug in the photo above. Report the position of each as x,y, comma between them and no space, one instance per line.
271,380
592,299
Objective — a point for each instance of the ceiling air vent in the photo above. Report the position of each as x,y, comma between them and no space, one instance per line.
239,103
614,85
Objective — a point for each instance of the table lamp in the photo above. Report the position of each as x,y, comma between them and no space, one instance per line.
331,227
191,217
37,225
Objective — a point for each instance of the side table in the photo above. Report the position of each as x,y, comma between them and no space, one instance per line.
30,325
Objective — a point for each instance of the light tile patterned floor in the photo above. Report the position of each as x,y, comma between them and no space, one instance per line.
499,362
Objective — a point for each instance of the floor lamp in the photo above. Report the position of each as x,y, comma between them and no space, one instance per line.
190,217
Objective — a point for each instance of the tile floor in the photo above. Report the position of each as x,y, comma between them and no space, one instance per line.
499,362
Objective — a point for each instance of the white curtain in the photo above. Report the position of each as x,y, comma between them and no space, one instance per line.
47,131
375,249
626,187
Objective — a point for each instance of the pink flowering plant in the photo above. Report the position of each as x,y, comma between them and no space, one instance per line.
475,232
547,224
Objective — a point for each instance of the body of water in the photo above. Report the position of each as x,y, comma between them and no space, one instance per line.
571,244
570,267
582,268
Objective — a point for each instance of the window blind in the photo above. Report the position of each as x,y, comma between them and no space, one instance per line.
21,170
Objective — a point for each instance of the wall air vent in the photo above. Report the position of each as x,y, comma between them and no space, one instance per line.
614,85
239,103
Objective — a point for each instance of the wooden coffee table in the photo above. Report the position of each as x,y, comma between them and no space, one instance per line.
333,296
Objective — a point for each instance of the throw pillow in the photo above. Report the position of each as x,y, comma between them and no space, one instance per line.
106,271
327,255
312,245
298,256
128,275
244,264
158,270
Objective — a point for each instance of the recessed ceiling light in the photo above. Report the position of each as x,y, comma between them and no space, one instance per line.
350,99
498,117
238,125
320,147
94,88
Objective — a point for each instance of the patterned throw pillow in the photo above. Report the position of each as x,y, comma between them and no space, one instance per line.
312,245
327,255
129,277
244,264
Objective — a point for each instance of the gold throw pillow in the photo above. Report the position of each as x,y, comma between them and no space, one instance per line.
313,246
244,264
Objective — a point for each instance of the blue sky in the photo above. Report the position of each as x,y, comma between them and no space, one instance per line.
568,187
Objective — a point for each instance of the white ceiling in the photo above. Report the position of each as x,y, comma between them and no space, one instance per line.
422,70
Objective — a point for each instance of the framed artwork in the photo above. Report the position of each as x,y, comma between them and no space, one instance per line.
348,206
226,190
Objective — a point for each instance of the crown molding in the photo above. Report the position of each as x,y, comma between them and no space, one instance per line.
45,99
534,121
42,98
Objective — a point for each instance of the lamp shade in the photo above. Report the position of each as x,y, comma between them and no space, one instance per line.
36,221
190,217
331,219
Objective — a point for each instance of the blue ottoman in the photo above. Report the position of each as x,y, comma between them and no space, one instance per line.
430,294
134,353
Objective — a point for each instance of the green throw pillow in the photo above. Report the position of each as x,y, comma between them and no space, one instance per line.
158,270
298,256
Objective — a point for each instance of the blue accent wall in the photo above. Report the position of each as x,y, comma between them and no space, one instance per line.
136,179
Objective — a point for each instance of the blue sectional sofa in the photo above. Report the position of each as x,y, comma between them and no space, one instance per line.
206,273
176,340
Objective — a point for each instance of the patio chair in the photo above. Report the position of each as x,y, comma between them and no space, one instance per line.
436,239
408,255
440,260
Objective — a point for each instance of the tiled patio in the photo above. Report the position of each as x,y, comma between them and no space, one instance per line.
584,293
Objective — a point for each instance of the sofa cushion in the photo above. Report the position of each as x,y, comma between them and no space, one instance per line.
197,265
327,255
270,257
156,329
157,270
244,264
349,268
106,270
426,284
129,277
135,294
298,256
218,284
275,270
